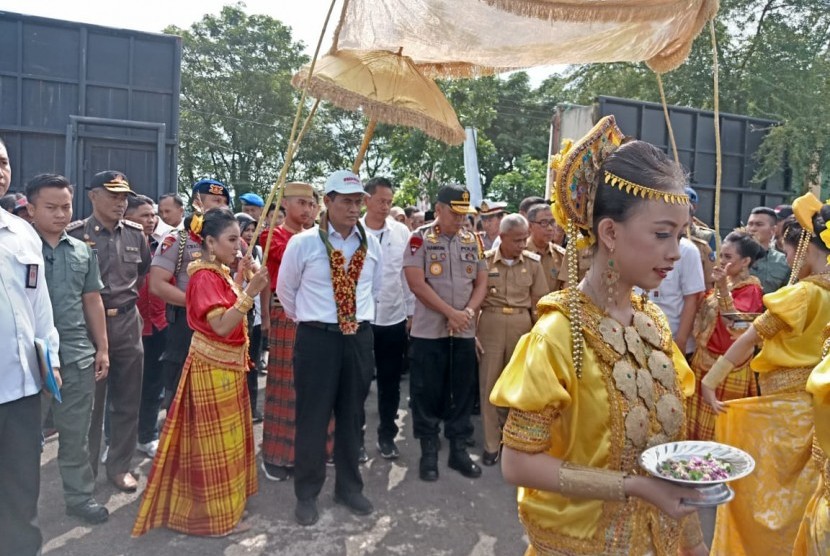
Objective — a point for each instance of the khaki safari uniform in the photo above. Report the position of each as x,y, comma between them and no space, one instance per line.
123,259
443,369
552,259
585,258
507,313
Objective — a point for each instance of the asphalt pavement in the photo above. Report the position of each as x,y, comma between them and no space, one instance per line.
453,516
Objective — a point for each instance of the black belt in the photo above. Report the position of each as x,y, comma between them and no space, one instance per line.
362,325
115,311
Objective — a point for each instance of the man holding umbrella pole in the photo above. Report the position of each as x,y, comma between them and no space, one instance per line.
444,267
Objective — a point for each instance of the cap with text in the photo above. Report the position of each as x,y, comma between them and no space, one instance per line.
345,183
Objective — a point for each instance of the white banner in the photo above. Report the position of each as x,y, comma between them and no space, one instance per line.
471,173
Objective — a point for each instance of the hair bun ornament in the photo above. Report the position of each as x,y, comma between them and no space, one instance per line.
804,209
577,167
196,223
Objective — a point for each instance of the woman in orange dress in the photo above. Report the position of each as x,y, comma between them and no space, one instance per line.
204,471
736,291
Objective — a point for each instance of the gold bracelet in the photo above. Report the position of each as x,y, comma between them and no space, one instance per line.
719,371
594,483
244,303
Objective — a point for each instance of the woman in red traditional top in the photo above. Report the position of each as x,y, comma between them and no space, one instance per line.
735,292
204,471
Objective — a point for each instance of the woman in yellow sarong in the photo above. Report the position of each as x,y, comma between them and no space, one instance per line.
736,291
599,379
205,471
777,427
814,534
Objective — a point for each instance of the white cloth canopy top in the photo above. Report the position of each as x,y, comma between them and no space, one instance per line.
469,37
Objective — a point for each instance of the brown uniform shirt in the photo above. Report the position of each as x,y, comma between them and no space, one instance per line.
519,285
450,266
552,259
167,256
123,257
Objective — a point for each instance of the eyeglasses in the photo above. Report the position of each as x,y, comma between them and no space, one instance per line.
544,223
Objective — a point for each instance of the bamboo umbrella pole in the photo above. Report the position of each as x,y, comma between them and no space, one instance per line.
668,119
289,155
367,138
718,163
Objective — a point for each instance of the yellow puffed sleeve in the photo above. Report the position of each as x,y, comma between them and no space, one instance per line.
540,371
819,386
785,306
685,375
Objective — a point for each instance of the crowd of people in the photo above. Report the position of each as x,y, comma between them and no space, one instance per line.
583,328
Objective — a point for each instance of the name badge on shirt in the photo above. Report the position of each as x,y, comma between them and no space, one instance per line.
31,276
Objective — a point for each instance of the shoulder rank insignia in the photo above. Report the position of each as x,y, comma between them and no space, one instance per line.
531,255
133,225
75,225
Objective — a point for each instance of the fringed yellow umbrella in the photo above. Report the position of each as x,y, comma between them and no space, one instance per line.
387,88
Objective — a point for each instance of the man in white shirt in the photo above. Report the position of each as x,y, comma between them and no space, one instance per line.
329,278
395,304
25,314
679,293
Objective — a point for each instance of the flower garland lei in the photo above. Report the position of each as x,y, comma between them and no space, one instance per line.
344,281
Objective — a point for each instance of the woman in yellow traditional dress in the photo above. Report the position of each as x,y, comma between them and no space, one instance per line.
599,379
736,291
777,427
205,471
814,534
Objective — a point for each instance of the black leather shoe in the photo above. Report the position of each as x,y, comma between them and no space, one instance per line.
306,512
90,511
490,458
461,462
356,502
388,449
362,456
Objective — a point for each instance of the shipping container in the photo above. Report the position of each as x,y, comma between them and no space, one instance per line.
694,133
76,99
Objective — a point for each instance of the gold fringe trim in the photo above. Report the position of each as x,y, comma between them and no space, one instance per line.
395,115
645,192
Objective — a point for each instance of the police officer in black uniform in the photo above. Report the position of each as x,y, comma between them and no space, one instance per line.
445,270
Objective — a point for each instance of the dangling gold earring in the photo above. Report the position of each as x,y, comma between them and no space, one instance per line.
610,277
211,255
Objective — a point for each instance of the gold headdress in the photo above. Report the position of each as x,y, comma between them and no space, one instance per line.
577,168
804,209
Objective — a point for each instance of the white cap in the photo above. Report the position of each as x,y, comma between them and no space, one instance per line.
344,182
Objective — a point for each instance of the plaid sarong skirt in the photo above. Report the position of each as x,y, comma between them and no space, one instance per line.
205,469
700,424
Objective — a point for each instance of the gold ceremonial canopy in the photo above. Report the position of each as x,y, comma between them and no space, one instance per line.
385,86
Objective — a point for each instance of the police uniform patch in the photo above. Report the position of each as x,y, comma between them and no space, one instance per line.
469,269
415,243
436,269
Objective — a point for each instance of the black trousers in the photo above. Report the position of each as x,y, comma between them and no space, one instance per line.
176,348
152,387
442,386
390,354
254,351
332,373
20,477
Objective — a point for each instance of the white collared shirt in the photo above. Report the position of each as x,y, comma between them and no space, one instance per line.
25,312
395,301
304,284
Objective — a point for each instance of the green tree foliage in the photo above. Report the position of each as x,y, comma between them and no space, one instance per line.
237,104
